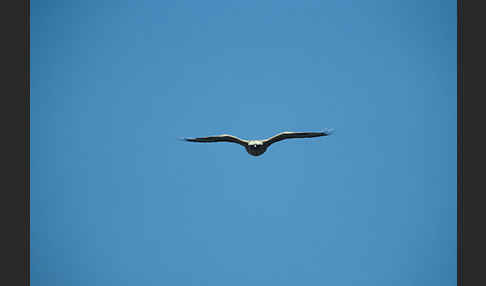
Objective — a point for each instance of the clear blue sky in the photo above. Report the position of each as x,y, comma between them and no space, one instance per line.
116,199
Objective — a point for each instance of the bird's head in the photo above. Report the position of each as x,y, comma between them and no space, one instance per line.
255,144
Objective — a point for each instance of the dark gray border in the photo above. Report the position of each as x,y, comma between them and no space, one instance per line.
473,143
15,141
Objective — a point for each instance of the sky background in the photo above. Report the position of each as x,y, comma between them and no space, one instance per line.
116,199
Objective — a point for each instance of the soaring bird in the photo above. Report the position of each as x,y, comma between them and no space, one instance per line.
257,147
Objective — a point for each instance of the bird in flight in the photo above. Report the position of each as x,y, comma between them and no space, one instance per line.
257,147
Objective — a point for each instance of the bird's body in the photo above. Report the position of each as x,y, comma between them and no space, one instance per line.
258,147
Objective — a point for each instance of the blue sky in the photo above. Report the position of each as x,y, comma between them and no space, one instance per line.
116,199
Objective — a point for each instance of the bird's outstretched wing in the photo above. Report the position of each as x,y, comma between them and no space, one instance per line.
289,135
218,138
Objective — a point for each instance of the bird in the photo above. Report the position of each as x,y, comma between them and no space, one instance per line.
258,147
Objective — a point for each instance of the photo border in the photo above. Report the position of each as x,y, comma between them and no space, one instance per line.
15,138
471,143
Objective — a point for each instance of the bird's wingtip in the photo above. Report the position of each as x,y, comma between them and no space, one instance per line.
329,131
182,139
